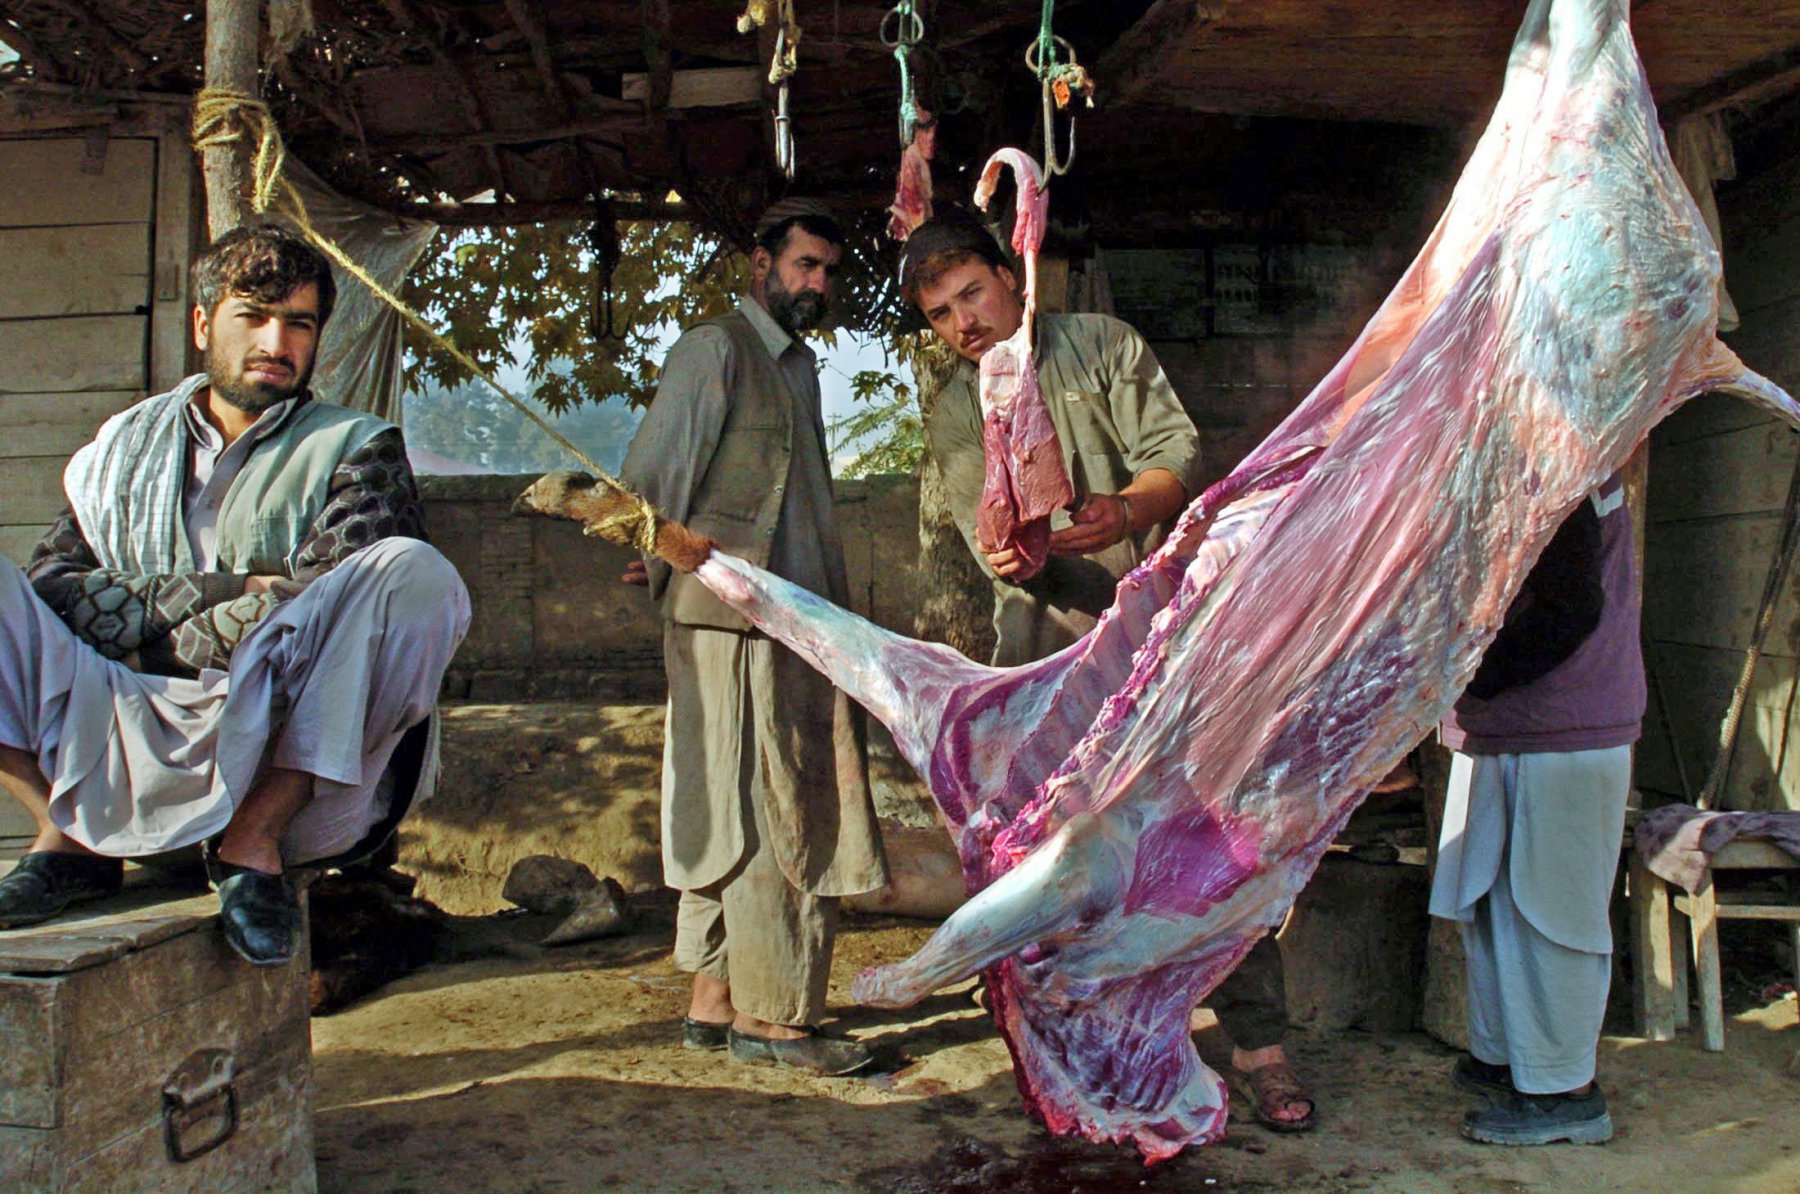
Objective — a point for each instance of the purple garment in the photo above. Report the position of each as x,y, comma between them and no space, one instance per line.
1677,841
1595,698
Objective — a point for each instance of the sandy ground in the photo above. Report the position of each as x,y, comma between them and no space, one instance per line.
564,1072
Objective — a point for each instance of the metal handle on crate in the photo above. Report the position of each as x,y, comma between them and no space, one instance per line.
199,1091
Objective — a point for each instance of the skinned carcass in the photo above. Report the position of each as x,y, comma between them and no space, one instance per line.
1024,479
1135,811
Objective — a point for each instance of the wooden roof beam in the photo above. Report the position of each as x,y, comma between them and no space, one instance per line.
1140,55
117,45
502,215
466,97
1767,77
530,21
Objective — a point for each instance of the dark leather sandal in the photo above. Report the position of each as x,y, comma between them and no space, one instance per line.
709,1035
44,884
827,1056
1276,1085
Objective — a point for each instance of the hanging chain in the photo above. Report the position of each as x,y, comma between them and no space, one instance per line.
902,29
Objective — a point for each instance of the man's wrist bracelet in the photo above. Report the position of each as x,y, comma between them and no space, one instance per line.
1126,502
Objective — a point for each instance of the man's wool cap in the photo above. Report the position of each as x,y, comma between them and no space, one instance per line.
795,208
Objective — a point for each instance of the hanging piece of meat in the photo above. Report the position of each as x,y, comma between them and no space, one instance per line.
912,189
1135,811
1025,480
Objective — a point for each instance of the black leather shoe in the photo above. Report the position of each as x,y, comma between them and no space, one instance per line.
44,884
703,1034
1526,1119
259,911
827,1056
1478,1077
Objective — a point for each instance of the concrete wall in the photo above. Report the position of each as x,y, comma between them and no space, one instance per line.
1719,475
553,620
1245,333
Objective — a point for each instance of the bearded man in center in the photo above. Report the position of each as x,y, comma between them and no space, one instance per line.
766,818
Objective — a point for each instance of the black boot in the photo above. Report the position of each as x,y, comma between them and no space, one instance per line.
45,883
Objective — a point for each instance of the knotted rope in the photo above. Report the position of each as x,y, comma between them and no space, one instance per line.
225,117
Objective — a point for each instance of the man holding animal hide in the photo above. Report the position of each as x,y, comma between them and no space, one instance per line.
1133,455
235,633
767,818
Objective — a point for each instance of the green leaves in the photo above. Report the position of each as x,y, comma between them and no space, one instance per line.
489,290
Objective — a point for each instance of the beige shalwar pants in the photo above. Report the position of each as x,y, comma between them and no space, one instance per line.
751,928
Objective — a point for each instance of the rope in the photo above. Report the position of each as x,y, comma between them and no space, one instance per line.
224,117
1779,568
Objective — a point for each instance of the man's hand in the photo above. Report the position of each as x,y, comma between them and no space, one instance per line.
259,583
1101,520
637,573
1010,564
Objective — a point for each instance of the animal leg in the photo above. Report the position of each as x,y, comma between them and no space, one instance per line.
1079,872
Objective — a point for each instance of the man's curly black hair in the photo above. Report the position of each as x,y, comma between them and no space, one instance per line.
263,262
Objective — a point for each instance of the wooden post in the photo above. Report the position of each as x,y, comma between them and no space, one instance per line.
233,31
1652,954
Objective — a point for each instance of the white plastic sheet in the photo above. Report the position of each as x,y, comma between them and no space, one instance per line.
359,362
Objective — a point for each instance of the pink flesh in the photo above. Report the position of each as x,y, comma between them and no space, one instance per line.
912,189
1134,812
1025,480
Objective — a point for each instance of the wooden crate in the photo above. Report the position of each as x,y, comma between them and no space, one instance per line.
138,1053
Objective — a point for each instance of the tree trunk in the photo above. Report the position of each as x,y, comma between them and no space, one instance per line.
958,604
233,30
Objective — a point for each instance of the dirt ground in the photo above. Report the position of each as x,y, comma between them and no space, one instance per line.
561,1070
564,1072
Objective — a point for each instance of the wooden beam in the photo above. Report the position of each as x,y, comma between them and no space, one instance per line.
530,21
1142,51
104,33
1777,72
658,38
706,87
233,30
605,129
503,215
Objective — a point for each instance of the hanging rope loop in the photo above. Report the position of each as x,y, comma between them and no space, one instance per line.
225,117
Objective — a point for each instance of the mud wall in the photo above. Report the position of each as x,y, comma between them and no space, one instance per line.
551,618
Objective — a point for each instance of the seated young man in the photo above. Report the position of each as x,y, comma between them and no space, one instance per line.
235,634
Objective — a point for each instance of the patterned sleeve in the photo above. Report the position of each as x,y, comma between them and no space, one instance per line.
118,613
372,496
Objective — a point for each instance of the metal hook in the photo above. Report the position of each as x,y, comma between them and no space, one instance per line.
1052,164
784,135
603,240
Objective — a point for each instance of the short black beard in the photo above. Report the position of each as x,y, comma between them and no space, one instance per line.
795,312
252,399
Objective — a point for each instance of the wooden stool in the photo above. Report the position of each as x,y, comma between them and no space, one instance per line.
1661,942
